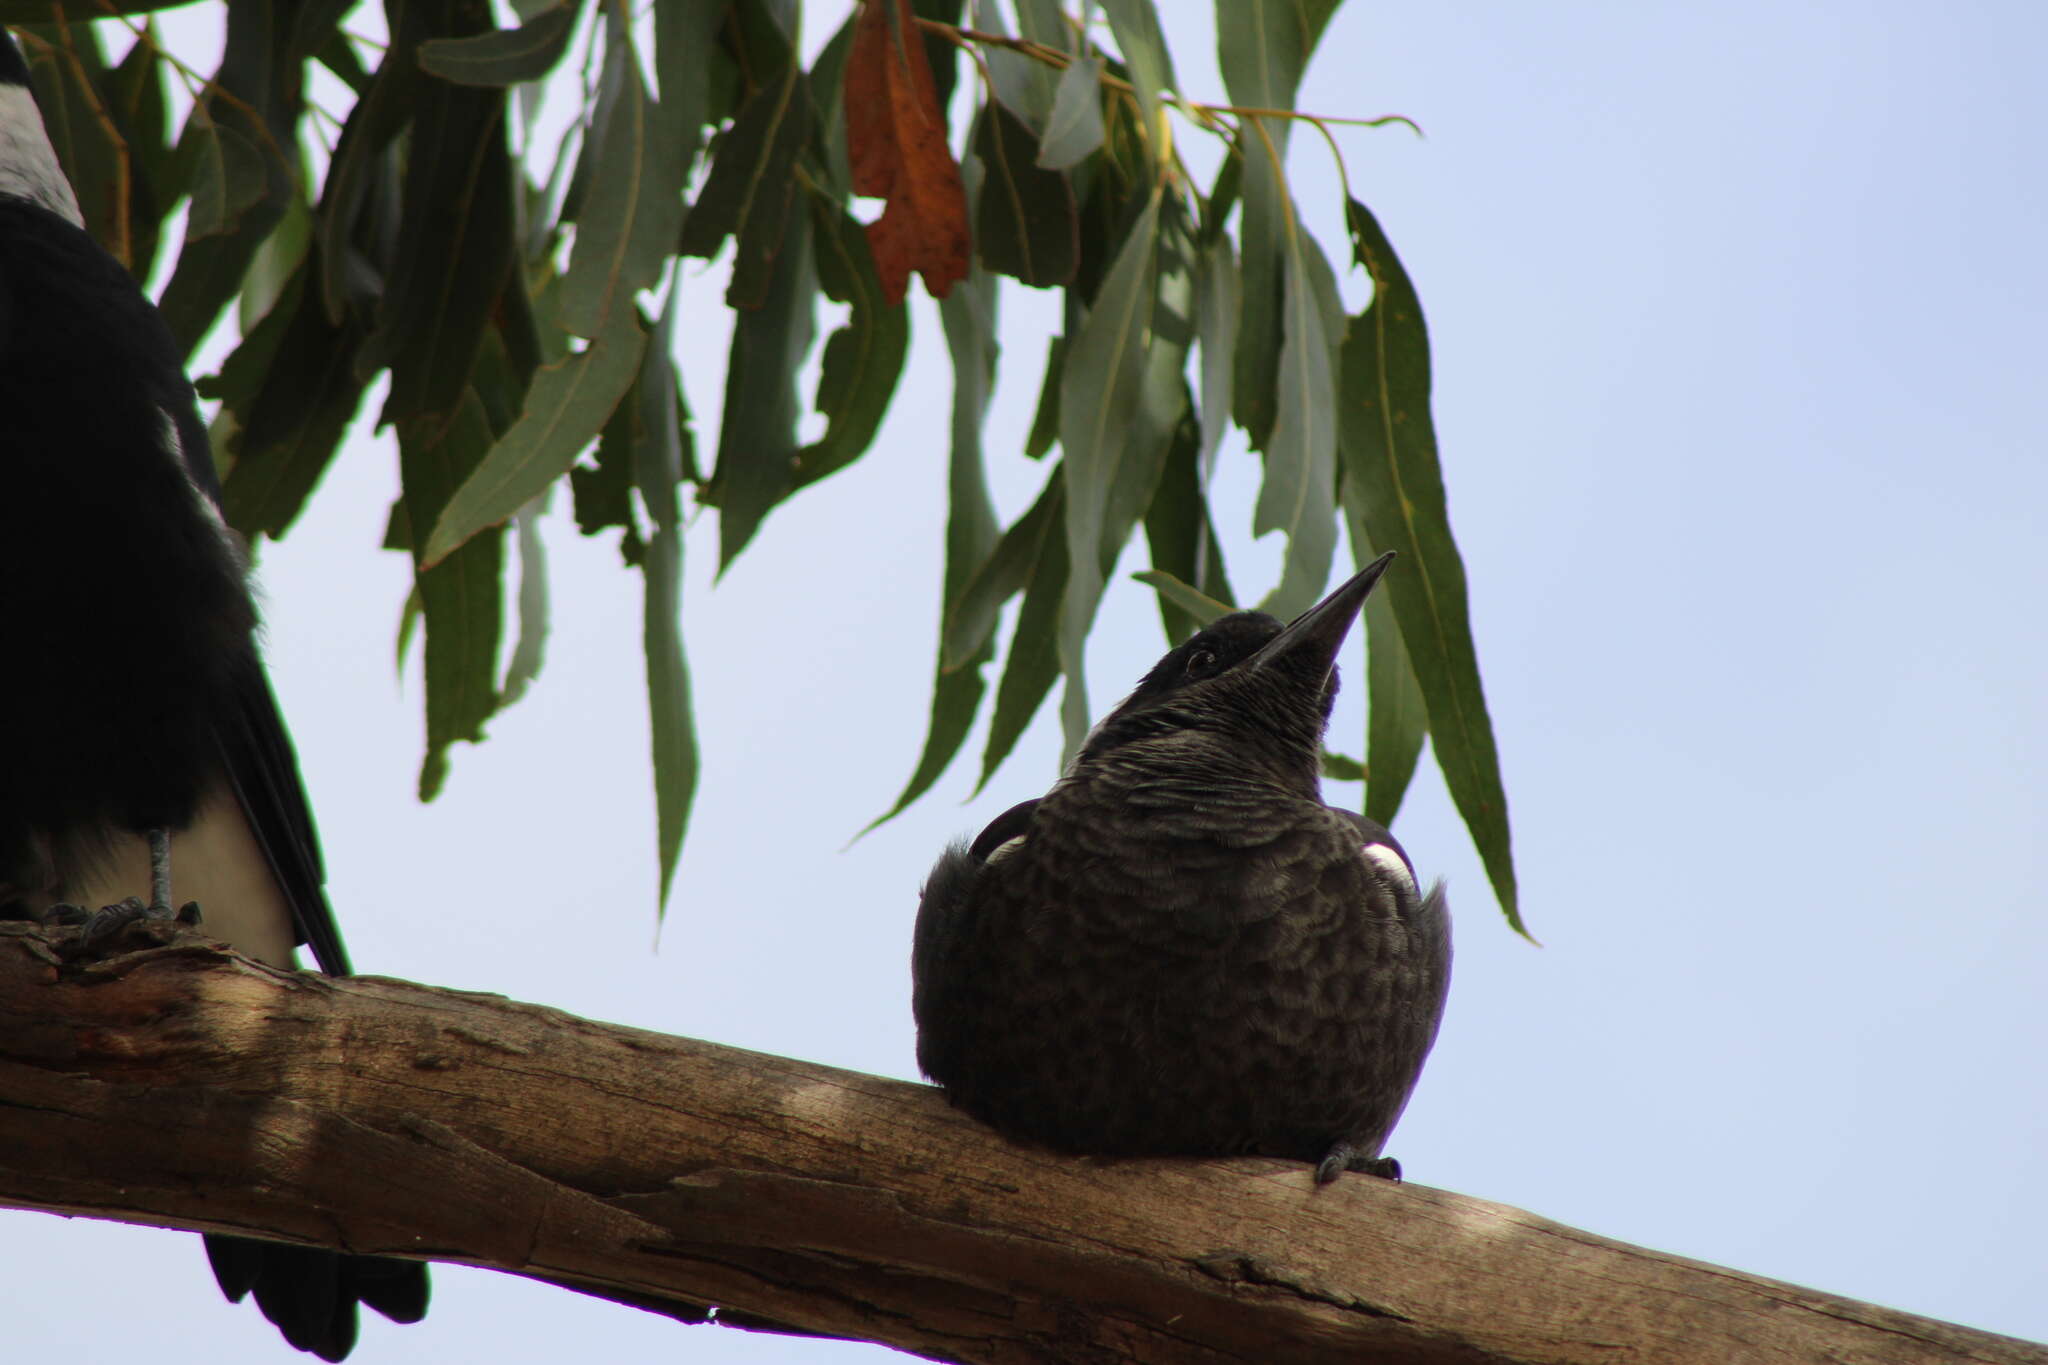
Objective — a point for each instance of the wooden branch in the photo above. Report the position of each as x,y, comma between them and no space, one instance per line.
180,1085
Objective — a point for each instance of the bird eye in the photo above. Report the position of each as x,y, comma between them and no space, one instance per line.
1201,663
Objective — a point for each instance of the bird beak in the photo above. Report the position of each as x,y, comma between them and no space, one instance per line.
1312,639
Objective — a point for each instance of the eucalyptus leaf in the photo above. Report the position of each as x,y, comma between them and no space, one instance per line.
1136,26
504,56
633,204
1026,224
757,434
1074,130
968,314
1198,605
659,458
1393,482
569,402
461,596
1299,491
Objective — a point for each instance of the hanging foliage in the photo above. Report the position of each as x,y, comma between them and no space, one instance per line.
514,295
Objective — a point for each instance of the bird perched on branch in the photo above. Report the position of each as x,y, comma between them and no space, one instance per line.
1180,950
136,722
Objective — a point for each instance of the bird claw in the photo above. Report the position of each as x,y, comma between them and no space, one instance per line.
99,928
1344,1157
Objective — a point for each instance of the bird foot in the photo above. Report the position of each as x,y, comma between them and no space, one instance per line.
1344,1157
99,928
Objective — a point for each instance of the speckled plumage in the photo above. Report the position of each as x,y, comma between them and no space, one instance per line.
1180,950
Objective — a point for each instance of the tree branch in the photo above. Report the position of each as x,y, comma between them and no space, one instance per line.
180,1085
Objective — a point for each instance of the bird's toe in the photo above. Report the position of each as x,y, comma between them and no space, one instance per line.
1343,1157
100,928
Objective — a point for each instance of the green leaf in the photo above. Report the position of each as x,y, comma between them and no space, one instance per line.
1262,47
1198,606
658,462
1075,129
972,613
685,41
255,97
968,315
293,387
338,55
1394,483
863,359
568,403
1045,422
455,249
1034,658
748,191
632,207
757,437
1101,392
504,56
603,490
529,653
1026,224
362,186
1267,219
1183,541
276,261
228,177
1219,301
1023,83
1136,26
508,357
1223,193
461,597
1340,768
1122,396
1300,488
1397,716
135,98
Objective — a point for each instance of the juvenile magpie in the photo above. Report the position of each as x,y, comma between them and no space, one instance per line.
1180,950
136,723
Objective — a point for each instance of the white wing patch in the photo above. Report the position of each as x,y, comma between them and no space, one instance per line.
1391,865
28,166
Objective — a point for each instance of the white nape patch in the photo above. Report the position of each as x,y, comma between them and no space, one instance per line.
28,165
1391,864
1004,849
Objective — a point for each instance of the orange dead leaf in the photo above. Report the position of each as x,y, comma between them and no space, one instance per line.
896,141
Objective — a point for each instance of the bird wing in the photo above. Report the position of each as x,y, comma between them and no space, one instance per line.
256,750
1011,824
1427,915
264,773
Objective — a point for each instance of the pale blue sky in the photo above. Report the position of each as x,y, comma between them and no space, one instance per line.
1737,313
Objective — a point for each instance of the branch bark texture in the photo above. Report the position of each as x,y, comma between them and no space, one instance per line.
180,1085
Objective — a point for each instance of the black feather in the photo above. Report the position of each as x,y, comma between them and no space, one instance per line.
1180,950
133,687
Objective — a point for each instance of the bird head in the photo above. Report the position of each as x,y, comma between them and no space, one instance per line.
1266,687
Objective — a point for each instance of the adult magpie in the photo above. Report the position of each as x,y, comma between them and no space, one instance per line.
136,723
1180,950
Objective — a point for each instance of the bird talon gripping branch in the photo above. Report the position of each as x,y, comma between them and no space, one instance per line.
1180,950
